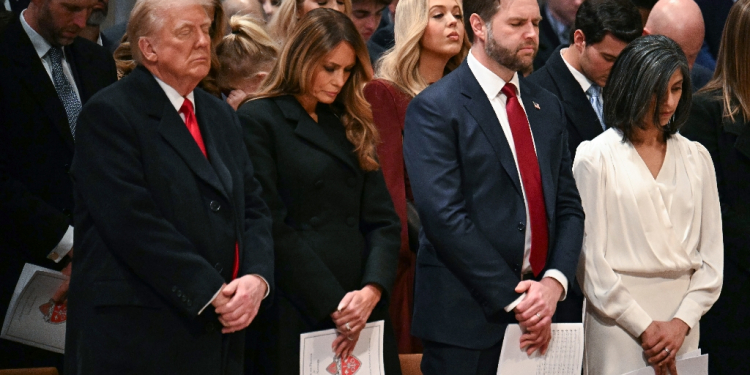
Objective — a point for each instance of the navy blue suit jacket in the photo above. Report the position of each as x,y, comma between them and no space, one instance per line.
468,194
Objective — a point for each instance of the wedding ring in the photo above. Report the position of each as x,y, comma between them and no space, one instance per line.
538,316
667,350
349,338
348,327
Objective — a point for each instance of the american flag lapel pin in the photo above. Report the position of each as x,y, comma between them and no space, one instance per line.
536,105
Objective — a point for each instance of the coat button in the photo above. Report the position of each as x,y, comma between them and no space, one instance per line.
218,267
315,221
179,293
67,167
521,227
351,221
318,184
184,298
351,181
174,288
189,303
215,206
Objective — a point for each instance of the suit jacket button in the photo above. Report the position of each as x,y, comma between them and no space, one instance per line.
351,221
351,181
521,227
315,221
179,293
318,184
184,298
218,267
67,167
215,206
174,288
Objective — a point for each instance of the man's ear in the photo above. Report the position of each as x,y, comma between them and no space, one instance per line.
579,40
147,49
478,27
646,31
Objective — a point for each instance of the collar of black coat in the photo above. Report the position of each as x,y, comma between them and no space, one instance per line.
327,134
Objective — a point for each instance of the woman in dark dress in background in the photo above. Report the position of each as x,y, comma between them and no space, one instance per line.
720,120
312,142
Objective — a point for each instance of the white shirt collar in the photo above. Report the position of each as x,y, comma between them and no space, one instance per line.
174,97
490,82
40,44
582,80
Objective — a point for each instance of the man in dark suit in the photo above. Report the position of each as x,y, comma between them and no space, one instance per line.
491,174
173,242
715,14
17,6
46,73
554,28
681,21
577,74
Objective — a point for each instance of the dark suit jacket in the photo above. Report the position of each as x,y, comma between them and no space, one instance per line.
699,76
724,330
715,14
582,122
548,41
469,198
156,227
17,6
334,226
36,149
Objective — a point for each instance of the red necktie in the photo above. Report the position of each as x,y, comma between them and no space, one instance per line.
192,125
528,166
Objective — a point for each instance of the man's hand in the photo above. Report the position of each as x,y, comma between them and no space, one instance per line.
534,313
61,294
662,340
355,308
245,295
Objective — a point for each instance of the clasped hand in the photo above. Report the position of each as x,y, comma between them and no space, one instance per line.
237,303
534,313
661,341
351,317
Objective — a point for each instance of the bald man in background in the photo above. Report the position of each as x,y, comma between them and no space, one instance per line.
681,21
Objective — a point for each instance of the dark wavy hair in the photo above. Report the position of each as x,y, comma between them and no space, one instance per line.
596,18
641,75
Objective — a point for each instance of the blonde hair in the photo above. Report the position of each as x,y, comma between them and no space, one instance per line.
244,52
287,16
732,74
316,35
400,64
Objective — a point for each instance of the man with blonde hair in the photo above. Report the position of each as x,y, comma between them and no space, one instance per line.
173,242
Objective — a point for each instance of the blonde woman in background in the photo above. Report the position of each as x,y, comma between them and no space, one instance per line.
430,41
291,11
246,55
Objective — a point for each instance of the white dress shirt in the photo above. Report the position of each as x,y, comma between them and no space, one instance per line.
580,78
640,225
177,100
491,85
41,46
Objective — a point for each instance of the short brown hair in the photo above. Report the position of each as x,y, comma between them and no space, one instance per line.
485,9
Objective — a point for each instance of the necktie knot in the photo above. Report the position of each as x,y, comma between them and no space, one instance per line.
509,90
55,54
187,108
594,91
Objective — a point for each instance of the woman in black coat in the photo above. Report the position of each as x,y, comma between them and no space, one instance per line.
720,120
312,141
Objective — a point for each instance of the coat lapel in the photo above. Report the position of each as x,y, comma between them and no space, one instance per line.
156,104
204,114
538,123
313,132
741,129
479,107
577,106
36,80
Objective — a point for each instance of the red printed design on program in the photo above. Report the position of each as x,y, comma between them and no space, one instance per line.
350,366
54,313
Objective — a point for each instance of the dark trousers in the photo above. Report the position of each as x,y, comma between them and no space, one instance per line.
441,359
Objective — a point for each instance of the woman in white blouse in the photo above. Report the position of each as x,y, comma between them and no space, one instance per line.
652,256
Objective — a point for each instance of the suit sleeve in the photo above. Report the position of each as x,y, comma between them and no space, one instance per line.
300,273
569,215
433,160
257,227
108,172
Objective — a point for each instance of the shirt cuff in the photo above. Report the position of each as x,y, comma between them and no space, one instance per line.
63,247
557,275
515,303
210,301
268,286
